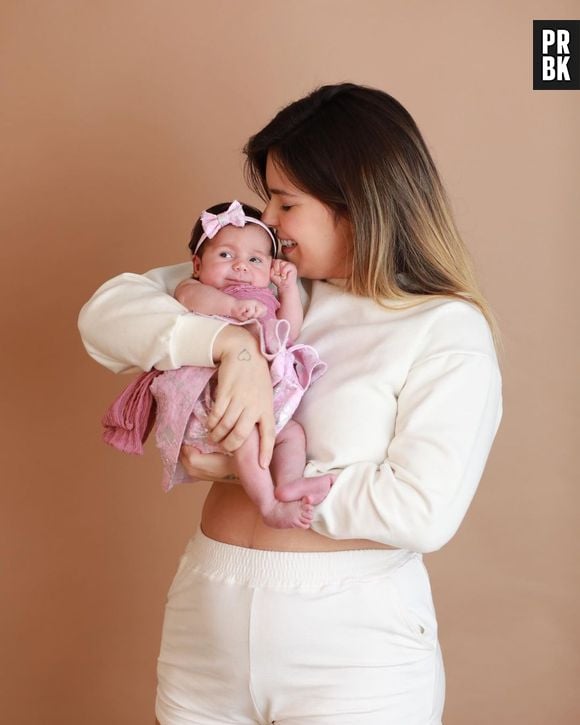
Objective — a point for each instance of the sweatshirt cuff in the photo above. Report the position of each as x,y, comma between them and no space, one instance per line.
193,338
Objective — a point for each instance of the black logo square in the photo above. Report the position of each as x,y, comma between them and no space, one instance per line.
556,55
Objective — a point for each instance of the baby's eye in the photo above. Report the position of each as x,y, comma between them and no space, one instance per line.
255,260
225,254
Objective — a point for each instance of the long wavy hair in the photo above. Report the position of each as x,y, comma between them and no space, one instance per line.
359,151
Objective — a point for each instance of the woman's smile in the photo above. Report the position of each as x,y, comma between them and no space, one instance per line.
287,245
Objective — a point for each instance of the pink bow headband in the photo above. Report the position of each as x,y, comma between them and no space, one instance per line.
234,215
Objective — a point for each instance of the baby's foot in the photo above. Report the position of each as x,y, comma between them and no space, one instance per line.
291,515
316,489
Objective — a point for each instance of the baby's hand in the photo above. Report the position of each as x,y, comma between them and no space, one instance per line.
283,274
244,310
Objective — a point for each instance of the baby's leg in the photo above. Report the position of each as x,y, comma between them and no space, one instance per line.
288,463
289,456
257,483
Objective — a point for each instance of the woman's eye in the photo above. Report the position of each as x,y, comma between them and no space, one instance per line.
286,207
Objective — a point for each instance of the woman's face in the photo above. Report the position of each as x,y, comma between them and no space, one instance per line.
311,237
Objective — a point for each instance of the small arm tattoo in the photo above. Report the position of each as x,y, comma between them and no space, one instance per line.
244,355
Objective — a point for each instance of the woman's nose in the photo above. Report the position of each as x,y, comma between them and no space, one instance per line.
269,216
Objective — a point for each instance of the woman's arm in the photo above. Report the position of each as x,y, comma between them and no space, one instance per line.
448,414
133,323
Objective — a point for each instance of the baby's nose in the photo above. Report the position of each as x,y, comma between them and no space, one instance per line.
239,264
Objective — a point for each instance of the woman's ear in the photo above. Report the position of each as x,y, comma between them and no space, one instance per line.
196,261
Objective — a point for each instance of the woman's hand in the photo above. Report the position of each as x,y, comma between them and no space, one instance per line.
243,395
208,466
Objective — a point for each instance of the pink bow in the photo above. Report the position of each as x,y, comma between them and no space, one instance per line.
212,223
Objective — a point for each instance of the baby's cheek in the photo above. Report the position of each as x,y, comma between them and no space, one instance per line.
264,278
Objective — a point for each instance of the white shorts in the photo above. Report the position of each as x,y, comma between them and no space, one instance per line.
339,638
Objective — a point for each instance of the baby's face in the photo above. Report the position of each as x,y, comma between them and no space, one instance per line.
236,255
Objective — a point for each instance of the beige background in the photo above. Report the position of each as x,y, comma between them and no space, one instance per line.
119,121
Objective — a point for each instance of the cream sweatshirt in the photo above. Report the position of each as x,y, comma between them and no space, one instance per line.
405,415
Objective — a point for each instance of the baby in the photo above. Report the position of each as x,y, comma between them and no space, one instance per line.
234,262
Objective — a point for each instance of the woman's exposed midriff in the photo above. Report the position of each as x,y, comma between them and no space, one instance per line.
230,517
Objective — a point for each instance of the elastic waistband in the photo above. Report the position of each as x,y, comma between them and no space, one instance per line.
289,569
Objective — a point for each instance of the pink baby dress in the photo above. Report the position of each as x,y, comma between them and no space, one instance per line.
183,397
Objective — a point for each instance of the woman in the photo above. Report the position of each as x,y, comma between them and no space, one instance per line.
332,625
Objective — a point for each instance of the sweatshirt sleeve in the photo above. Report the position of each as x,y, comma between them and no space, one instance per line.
133,323
448,412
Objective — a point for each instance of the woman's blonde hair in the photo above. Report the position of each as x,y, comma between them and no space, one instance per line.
359,151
